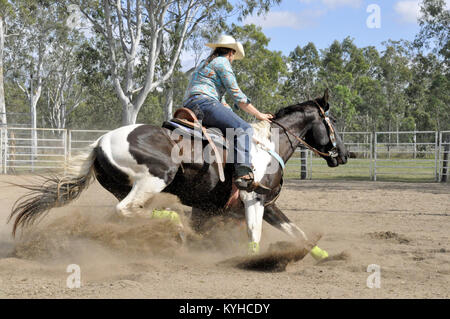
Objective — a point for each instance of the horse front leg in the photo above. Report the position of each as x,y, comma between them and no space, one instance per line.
254,211
275,217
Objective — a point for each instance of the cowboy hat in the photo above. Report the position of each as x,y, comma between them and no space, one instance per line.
227,41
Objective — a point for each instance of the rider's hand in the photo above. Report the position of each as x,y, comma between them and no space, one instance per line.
264,117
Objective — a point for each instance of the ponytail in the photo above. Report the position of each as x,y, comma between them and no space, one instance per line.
218,52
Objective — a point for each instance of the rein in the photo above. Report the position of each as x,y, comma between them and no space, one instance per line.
333,152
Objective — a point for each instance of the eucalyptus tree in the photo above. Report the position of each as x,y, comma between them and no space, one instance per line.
137,32
5,13
302,81
396,76
435,28
36,26
342,66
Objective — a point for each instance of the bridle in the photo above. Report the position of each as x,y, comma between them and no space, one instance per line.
333,153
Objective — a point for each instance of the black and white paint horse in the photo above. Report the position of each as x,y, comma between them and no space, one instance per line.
134,163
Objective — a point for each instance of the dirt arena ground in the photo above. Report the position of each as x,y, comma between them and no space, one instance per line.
402,227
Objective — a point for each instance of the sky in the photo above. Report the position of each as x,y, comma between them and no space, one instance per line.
368,22
297,22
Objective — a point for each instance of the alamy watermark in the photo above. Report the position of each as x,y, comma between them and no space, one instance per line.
374,279
74,279
374,19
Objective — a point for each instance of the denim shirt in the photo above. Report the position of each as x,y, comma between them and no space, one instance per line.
214,80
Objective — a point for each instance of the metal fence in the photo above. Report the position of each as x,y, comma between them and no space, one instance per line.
79,139
403,156
26,149
444,151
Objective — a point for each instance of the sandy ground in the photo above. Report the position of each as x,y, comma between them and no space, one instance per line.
404,228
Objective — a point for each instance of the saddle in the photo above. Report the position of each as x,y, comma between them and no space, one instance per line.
186,120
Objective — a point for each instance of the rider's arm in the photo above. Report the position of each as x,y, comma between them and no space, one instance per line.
249,108
226,74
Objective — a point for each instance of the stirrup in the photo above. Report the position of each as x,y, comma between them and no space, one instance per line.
247,183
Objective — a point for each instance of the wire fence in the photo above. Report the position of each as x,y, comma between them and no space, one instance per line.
398,156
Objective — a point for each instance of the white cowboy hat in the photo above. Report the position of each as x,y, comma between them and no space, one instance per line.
227,41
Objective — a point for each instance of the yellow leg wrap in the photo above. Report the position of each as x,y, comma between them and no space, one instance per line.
318,254
167,214
253,248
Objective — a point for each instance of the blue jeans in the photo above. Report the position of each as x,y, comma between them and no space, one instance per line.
216,115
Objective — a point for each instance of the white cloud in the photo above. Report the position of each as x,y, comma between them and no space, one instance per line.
339,3
409,11
336,3
287,19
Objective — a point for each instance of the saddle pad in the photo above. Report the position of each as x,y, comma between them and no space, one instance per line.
215,136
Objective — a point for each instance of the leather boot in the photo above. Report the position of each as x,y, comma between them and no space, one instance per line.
244,180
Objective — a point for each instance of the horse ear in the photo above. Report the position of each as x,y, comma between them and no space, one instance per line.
326,96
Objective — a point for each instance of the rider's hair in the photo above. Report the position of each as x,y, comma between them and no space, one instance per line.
219,52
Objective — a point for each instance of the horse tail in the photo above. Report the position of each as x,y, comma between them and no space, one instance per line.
55,191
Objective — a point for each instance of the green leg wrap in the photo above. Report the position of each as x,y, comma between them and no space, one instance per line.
167,214
253,248
318,254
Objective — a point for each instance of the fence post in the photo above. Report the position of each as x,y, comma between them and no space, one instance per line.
303,166
415,143
65,150
436,157
1,147
446,151
5,151
370,155
375,158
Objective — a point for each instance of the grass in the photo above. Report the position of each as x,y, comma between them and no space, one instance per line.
418,170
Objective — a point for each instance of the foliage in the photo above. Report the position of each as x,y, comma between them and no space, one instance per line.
402,86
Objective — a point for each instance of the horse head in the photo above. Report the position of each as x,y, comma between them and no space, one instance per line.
310,123
322,134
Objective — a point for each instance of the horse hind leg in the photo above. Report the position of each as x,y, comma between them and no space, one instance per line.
141,193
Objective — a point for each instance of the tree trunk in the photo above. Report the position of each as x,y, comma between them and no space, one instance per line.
34,97
129,113
168,107
2,90
33,102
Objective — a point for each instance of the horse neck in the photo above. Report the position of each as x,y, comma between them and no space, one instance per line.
288,143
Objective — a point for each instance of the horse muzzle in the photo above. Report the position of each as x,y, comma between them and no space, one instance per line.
337,158
343,157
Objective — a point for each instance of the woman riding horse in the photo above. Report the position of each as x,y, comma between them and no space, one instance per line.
209,82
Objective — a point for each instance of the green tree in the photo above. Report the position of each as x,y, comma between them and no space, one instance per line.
396,76
434,28
342,66
304,65
145,32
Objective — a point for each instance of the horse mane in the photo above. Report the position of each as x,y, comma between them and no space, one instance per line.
262,128
300,107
